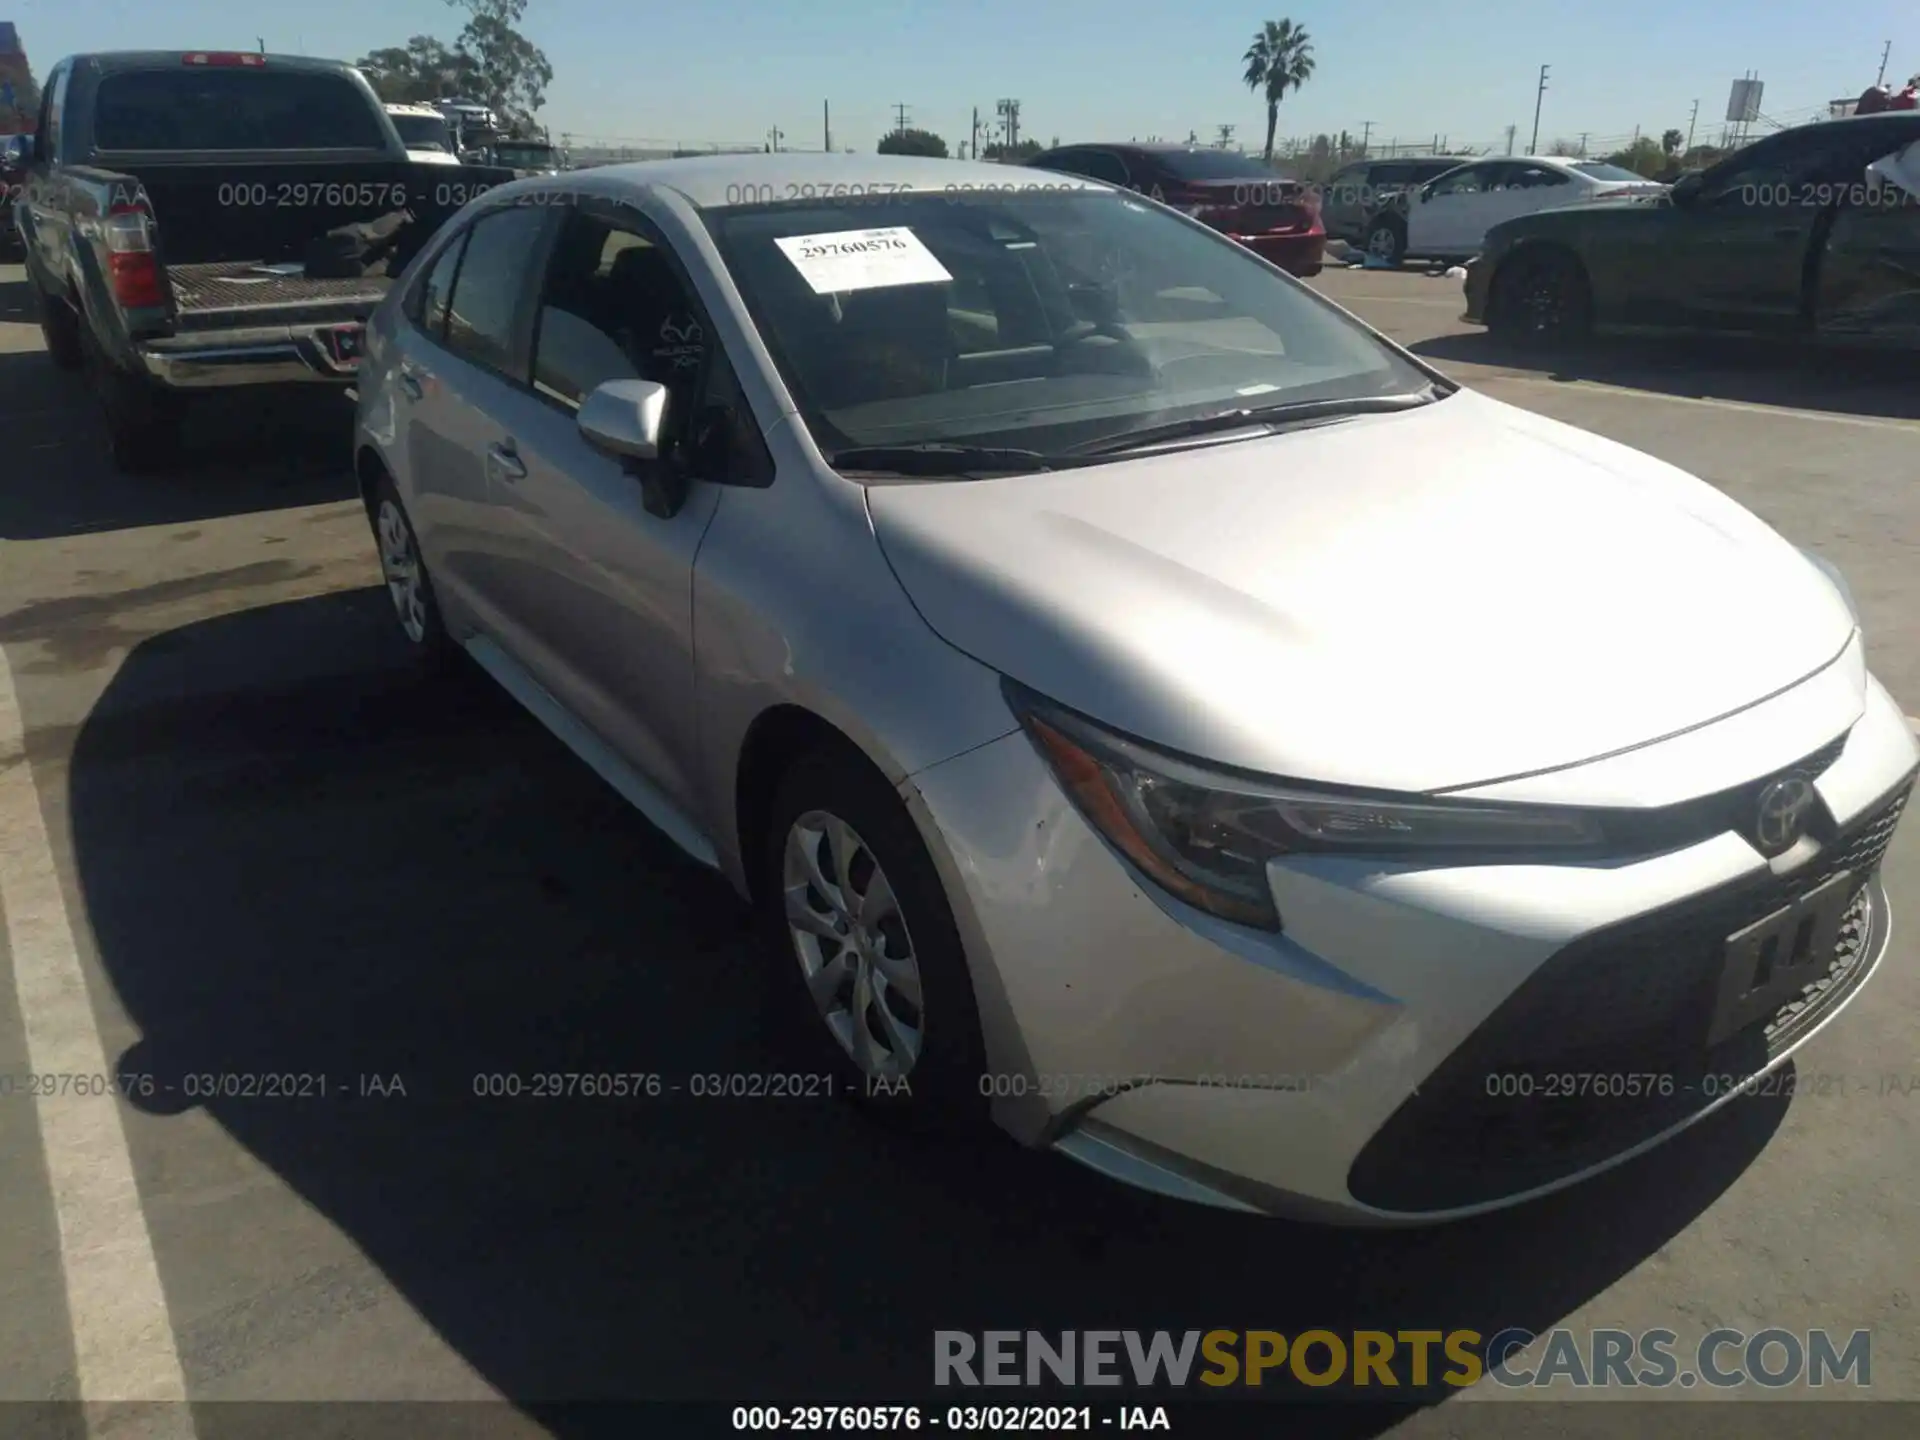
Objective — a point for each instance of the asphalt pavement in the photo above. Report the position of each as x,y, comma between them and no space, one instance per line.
239,837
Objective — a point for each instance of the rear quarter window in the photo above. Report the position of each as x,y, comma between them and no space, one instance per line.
251,109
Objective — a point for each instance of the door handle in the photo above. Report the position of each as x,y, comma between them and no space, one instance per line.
410,383
503,461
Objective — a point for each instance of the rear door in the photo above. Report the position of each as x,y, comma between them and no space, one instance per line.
465,400
1344,206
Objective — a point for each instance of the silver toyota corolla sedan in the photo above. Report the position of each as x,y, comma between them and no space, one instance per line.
1150,709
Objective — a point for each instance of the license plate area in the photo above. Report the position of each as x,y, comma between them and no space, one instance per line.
1775,958
344,345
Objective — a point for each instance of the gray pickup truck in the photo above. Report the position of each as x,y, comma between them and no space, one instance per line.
198,221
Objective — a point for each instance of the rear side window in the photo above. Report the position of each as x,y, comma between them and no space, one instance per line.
251,109
489,294
427,305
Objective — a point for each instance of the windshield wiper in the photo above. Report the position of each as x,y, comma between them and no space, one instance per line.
1254,417
935,458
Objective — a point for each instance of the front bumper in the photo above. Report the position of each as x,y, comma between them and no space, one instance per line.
1343,1070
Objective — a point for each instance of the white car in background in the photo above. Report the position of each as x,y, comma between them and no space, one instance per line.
425,133
1448,218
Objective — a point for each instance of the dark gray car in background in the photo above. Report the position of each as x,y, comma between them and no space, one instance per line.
1356,191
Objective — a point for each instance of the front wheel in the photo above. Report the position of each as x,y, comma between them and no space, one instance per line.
1541,299
879,986
1386,240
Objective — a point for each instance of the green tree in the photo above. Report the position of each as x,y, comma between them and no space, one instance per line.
1643,157
999,150
1279,59
1670,143
490,60
913,142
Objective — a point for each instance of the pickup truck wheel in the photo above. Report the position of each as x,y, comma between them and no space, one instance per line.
143,421
1541,299
60,328
408,585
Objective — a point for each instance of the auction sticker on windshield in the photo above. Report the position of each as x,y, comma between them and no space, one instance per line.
843,260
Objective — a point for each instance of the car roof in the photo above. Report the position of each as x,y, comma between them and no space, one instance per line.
415,110
107,61
714,181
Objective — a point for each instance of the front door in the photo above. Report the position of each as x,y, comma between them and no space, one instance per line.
1445,217
1741,247
602,585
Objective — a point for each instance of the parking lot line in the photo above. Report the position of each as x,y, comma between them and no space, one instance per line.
123,1340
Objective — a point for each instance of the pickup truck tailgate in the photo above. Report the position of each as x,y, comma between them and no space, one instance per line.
219,296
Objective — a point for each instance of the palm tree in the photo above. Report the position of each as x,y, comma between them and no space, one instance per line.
1279,59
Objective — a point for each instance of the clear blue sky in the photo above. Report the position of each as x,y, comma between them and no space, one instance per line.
727,70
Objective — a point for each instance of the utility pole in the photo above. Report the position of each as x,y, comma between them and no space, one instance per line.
774,137
1538,96
899,118
1510,130
1010,122
1226,135
1583,143
1366,134
261,41
826,129
973,150
1888,50
1690,123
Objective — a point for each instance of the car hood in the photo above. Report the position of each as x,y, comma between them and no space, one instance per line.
1425,601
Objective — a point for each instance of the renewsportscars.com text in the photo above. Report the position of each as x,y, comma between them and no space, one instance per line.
1415,1359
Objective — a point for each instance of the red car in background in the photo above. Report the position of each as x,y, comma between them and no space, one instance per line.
1276,218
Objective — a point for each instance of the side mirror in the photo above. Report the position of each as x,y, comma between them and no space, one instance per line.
1688,188
624,418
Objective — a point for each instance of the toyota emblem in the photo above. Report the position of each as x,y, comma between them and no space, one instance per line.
1781,816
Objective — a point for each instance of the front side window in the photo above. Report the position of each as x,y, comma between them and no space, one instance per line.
1213,165
1105,165
1613,174
1467,180
1033,320
427,305
484,314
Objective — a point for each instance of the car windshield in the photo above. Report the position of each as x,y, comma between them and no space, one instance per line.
1213,165
423,132
1045,320
1601,171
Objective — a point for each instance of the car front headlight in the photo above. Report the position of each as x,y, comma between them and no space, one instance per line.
1206,835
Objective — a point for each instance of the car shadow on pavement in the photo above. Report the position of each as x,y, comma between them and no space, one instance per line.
246,453
1842,382
299,857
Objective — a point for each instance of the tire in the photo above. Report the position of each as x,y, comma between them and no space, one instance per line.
1386,239
60,328
143,421
416,610
1541,298
927,1075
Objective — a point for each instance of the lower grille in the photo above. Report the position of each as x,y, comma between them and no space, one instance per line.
1535,1094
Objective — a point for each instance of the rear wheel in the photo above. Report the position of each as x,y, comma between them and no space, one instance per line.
143,421
60,328
1386,241
879,984
1541,298
409,587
